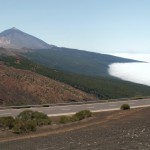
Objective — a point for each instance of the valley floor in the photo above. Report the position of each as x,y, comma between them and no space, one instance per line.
117,130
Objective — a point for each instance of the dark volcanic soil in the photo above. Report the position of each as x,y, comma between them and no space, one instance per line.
118,130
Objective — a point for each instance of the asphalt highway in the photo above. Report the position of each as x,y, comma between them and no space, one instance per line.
71,109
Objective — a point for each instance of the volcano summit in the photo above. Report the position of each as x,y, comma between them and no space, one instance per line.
16,39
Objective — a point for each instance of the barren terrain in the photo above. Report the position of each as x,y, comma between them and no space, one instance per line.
118,130
19,87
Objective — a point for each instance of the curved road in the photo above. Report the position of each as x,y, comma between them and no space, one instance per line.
71,109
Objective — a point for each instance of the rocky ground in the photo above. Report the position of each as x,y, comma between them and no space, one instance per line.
118,130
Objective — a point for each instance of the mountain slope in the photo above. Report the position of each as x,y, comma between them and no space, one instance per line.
75,61
101,87
18,87
16,39
65,59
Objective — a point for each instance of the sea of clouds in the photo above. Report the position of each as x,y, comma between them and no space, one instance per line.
134,72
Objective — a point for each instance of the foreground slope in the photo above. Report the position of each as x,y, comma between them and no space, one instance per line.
118,130
19,87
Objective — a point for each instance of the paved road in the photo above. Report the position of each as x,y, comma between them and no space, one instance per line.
71,109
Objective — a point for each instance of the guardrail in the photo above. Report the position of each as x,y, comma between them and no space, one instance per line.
73,103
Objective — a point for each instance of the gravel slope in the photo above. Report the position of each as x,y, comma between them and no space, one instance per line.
118,130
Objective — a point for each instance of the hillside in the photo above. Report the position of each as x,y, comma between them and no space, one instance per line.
102,87
75,61
20,87
85,71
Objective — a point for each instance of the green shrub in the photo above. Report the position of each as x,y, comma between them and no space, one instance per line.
125,107
78,116
64,119
7,122
21,126
83,114
39,117
74,118
25,115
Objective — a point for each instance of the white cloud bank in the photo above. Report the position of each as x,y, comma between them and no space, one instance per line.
134,72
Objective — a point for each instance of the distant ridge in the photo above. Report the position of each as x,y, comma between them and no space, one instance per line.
16,39
76,61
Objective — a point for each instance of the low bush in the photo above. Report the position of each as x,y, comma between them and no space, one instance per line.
65,119
38,117
7,122
74,118
41,118
83,114
78,116
21,126
25,115
28,120
125,107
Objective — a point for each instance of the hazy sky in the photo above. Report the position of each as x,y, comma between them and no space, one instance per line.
95,25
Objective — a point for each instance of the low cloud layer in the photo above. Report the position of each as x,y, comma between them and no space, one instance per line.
134,72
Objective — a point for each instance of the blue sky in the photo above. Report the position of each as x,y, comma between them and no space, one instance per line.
95,25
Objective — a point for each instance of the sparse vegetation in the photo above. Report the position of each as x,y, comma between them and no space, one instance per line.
22,126
7,122
65,119
36,89
125,107
38,117
26,121
76,117
83,114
